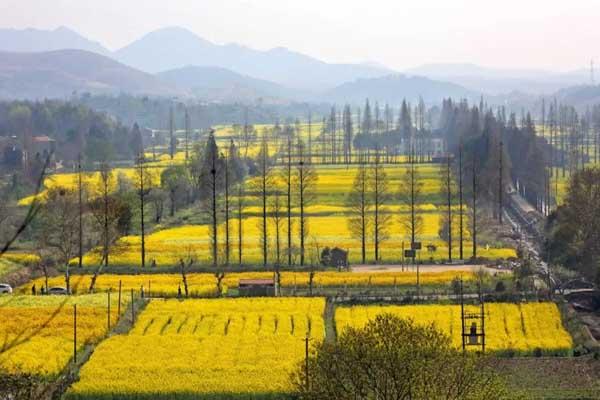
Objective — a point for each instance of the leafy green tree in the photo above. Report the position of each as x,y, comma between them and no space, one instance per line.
174,180
573,235
393,358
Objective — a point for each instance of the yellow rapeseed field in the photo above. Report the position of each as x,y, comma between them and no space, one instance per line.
36,332
204,347
90,180
204,284
167,246
522,328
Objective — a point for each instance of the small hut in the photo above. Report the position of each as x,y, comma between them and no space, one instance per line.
256,287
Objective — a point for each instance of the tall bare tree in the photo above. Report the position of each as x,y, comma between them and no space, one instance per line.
262,186
305,178
359,201
410,193
240,201
379,189
143,185
288,176
59,229
447,193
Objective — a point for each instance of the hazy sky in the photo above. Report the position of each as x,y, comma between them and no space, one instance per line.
549,34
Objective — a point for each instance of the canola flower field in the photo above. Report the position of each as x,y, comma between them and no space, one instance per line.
36,332
204,349
168,246
328,216
327,225
518,328
204,284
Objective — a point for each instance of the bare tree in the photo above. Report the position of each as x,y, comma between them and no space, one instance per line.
143,183
240,203
262,186
359,201
305,178
410,193
288,176
379,189
447,193
59,229
227,209
106,210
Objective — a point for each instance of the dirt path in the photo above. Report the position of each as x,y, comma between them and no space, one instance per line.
423,268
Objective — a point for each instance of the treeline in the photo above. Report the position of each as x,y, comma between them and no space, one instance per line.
573,238
500,151
76,129
154,112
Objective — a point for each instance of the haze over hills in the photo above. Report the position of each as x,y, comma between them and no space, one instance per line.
172,48
58,74
189,65
496,81
220,84
35,40
393,89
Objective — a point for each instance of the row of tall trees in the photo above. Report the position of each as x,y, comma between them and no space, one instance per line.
280,190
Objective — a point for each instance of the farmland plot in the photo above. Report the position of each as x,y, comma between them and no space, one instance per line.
519,328
36,332
204,349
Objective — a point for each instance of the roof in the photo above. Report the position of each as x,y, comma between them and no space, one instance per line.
42,139
256,282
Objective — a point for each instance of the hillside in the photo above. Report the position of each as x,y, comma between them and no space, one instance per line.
58,74
496,81
394,88
581,96
220,84
35,40
172,48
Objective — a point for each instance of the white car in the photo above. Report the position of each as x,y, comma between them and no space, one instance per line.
57,290
5,288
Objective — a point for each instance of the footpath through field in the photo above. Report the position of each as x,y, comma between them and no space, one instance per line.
467,268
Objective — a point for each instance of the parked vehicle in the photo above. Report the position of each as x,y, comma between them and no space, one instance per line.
5,288
58,290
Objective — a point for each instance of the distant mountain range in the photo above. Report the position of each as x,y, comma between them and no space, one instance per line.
61,73
172,48
34,40
175,61
394,88
495,81
220,84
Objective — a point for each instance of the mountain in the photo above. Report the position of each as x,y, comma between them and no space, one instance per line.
220,84
495,81
57,74
34,40
581,96
173,48
393,89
